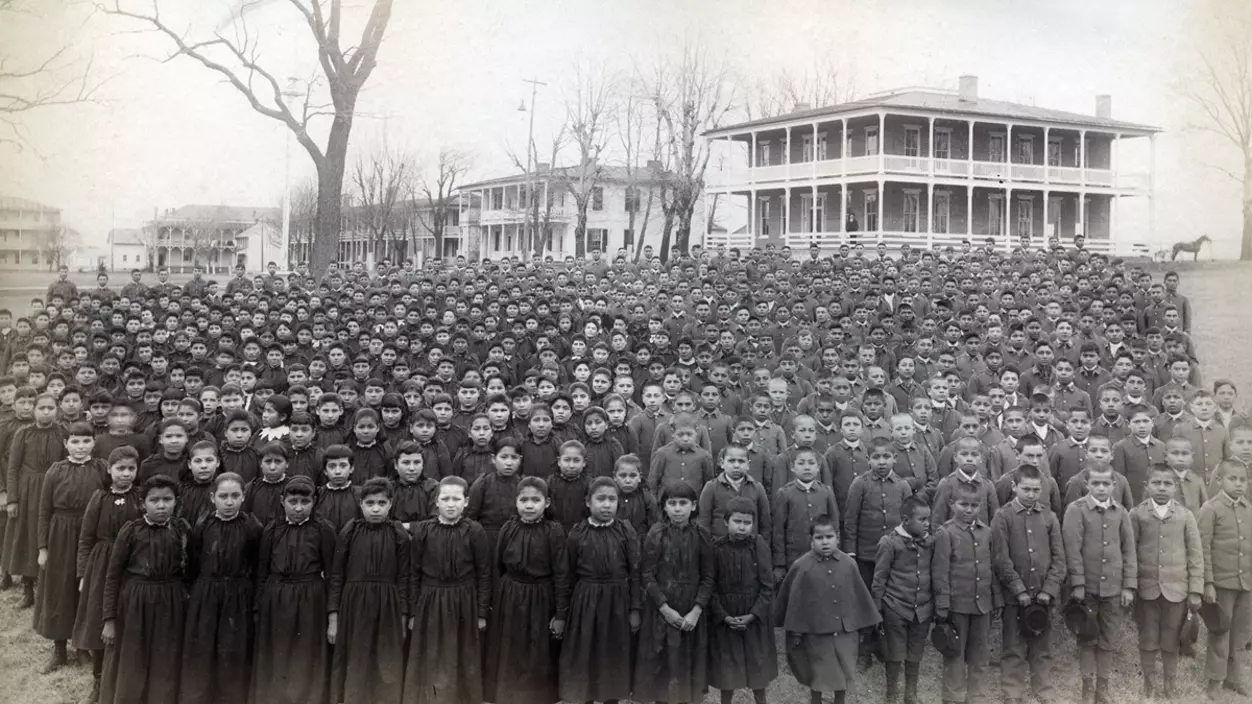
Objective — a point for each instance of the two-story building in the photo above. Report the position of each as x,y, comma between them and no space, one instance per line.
933,168
216,237
26,229
622,210
403,230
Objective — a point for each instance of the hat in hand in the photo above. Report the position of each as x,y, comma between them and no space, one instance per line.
946,640
1033,621
1190,629
1080,619
1216,619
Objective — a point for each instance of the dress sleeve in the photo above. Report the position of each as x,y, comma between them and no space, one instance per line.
334,578
765,581
557,546
707,569
87,533
122,546
648,566
481,549
632,567
46,489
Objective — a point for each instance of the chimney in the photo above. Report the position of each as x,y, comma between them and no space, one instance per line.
1104,106
801,107
969,89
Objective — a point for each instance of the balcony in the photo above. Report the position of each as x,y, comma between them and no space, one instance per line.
516,216
888,165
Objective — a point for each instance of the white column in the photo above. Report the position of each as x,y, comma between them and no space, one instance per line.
814,154
786,213
1045,207
752,156
1082,158
882,190
969,149
704,232
752,215
787,149
930,145
1008,149
1007,214
882,141
1047,177
1113,149
1112,220
930,210
843,213
1080,226
1152,187
969,209
845,145
813,216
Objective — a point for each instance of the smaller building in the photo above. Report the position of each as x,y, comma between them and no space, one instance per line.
127,250
207,235
27,232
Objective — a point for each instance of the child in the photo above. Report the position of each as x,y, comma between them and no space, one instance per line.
1099,455
605,600
530,606
1103,572
1208,437
239,455
677,571
733,482
170,458
34,449
902,594
797,505
368,602
970,470
1171,577
305,458
195,491
567,487
67,489
493,496
965,597
476,458
821,604
221,565
451,593
369,455
263,497
636,504
540,450
1225,523
438,461
681,459
415,493
121,423
847,458
874,504
291,656
1028,556
1139,451
1189,489
913,462
602,450
145,601
338,500
742,651
330,427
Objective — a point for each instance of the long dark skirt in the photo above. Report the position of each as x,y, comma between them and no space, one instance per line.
87,623
22,552
445,658
595,654
139,666
292,657
367,666
521,663
742,659
671,665
217,642
56,601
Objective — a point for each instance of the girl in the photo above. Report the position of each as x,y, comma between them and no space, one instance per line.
636,504
671,662
170,458
23,414
108,510
415,492
616,412
530,605
195,492
263,497
604,602
338,501
275,415
602,450
368,602
452,579
493,497
34,449
563,427
67,489
567,487
145,601
71,406
742,652
393,411
221,561
476,458
369,456
291,655
540,450
238,453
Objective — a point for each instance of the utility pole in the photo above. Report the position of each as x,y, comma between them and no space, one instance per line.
530,185
285,235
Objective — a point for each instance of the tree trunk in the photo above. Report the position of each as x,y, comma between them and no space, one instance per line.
1245,247
436,221
330,168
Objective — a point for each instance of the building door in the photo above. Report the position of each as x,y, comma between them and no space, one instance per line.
943,211
995,148
912,210
806,213
1053,225
943,144
871,211
1025,217
995,215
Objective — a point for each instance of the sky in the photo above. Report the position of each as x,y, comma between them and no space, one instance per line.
161,134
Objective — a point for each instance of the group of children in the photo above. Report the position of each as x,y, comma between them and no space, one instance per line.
503,484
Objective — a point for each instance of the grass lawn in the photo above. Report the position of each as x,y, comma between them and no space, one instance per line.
1221,298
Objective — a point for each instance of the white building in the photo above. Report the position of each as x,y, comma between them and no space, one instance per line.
127,250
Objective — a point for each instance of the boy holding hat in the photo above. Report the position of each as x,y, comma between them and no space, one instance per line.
1225,523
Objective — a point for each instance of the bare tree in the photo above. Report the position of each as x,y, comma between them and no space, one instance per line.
381,180
588,115
61,242
236,57
537,228
202,238
638,133
824,83
303,218
437,189
1222,93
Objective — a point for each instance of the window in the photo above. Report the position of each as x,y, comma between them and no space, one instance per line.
1026,150
1053,226
806,147
453,218
1054,151
807,219
495,240
628,238
871,211
871,141
1025,217
995,147
632,200
762,209
123,258
912,141
497,199
943,143
943,205
597,198
912,210
995,215
762,153
597,238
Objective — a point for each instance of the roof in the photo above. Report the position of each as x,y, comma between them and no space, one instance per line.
219,213
608,173
945,102
126,236
14,203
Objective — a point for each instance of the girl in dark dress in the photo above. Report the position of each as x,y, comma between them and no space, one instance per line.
368,603
263,496
107,511
493,496
221,562
475,459
34,449
415,492
145,602
23,414
306,457
636,505
67,489
530,605
291,653
603,555
369,454
170,456
742,651
540,450
275,414
671,662
567,487
238,454
392,416
602,450
451,590
338,500
195,491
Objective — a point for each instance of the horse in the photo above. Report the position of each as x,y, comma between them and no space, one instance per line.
1192,247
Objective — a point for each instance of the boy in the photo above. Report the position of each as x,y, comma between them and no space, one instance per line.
902,593
1225,523
1103,572
1189,486
681,459
1110,424
1133,456
1171,577
913,461
732,483
875,501
798,505
847,458
1029,561
803,437
968,461
1068,457
1099,456
1208,437
961,576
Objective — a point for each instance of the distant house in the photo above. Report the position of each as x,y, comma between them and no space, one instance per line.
207,235
404,231
127,250
26,230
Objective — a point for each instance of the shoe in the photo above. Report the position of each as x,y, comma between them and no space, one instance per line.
93,696
1214,690
6,581
28,597
54,663
1088,690
1236,687
1149,688
1168,690
1102,691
